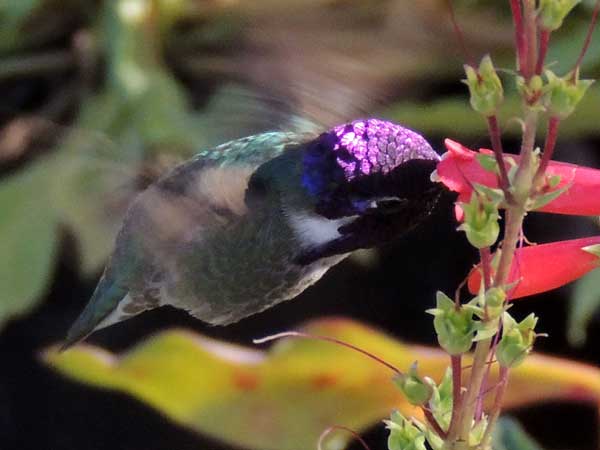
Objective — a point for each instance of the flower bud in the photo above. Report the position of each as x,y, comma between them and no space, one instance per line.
551,13
563,94
403,434
480,221
517,340
485,87
417,390
454,327
531,91
494,302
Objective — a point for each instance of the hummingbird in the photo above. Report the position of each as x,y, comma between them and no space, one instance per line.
253,222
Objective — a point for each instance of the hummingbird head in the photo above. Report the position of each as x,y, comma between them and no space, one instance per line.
371,178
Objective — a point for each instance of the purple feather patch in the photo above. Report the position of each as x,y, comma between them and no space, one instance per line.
372,145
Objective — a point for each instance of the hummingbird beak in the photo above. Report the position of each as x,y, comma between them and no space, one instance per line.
388,205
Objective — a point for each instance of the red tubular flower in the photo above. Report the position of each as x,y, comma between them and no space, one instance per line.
540,268
459,170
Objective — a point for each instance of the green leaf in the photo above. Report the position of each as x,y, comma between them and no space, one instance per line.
583,304
509,435
284,398
28,240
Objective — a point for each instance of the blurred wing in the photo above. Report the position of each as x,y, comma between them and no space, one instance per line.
204,194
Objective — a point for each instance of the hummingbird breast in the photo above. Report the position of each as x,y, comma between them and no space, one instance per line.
242,270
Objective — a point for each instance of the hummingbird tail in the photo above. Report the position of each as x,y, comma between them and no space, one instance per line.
104,301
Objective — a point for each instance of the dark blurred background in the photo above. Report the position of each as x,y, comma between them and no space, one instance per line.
99,98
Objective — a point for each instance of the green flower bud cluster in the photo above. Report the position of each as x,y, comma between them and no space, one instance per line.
517,340
417,390
403,434
562,94
551,13
488,306
454,325
531,91
481,218
485,87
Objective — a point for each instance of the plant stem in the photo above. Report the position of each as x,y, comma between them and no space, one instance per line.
543,49
495,412
515,214
302,335
588,37
477,372
515,6
484,254
494,132
549,144
530,30
456,362
433,422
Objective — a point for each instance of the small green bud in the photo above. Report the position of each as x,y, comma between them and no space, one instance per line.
485,87
494,302
480,221
403,434
417,390
441,400
563,94
477,432
531,91
551,13
517,340
454,327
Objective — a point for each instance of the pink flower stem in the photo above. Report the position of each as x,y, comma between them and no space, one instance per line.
483,390
459,34
494,131
549,144
515,6
495,412
486,266
543,49
588,37
302,335
530,31
434,423
514,220
333,428
456,362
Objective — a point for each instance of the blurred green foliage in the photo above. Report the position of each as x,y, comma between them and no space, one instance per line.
509,435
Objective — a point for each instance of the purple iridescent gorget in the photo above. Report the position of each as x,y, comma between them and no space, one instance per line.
361,148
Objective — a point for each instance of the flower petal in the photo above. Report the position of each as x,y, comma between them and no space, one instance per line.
459,170
540,268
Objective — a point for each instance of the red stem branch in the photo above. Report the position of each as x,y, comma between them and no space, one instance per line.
456,362
530,30
494,132
434,423
300,334
459,35
543,50
515,6
588,37
332,428
486,266
549,144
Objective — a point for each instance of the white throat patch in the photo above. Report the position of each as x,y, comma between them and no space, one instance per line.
313,230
